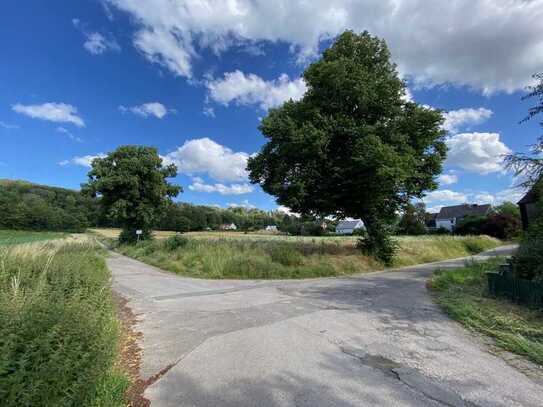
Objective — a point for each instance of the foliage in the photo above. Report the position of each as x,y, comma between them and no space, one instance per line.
413,220
272,257
508,208
132,184
528,261
58,334
502,226
28,206
462,294
470,225
352,146
530,165
175,242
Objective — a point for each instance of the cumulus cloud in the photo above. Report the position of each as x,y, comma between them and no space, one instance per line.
251,89
477,152
445,195
95,42
461,118
84,161
199,185
205,156
486,45
54,112
155,109
243,204
447,179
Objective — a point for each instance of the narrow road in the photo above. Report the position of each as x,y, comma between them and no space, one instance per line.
373,340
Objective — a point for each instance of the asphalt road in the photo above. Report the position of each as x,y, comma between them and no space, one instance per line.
373,340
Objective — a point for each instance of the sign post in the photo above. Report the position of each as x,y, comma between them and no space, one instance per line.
138,233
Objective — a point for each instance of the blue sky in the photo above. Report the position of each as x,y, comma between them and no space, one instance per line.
79,78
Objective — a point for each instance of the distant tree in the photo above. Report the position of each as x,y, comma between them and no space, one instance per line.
413,220
530,165
132,184
508,208
353,146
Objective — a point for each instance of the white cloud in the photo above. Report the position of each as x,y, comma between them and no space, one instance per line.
204,155
447,179
84,161
486,44
457,119
155,109
482,153
510,194
199,185
208,111
69,134
54,112
445,195
8,126
95,42
253,90
244,204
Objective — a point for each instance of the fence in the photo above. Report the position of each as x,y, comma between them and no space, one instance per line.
505,284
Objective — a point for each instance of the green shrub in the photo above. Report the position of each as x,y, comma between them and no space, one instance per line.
474,246
175,242
528,262
58,334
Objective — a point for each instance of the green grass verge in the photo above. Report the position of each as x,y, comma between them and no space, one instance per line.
58,331
463,295
21,236
240,258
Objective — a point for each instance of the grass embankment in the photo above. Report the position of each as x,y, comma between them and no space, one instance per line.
22,236
268,257
58,332
463,295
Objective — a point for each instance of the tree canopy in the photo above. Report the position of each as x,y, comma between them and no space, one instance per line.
353,146
133,188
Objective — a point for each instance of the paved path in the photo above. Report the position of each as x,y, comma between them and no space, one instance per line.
374,340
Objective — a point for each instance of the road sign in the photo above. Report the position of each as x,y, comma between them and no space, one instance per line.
139,232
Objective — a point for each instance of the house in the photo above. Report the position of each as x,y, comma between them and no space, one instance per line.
347,227
528,206
271,228
228,226
449,216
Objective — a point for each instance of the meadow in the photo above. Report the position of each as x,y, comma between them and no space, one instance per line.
236,255
8,237
58,330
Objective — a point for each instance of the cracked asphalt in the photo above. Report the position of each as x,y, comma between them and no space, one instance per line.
369,340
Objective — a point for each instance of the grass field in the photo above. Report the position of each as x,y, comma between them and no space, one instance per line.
8,237
236,255
463,295
58,331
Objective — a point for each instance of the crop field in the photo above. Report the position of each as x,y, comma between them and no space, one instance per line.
8,237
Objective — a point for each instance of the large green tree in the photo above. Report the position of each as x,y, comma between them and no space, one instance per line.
353,145
132,185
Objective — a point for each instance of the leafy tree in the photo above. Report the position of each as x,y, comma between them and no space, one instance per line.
501,226
470,225
508,208
352,146
530,165
132,184
413,220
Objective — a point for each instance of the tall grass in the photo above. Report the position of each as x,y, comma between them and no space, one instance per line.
253,258
463,295
58,333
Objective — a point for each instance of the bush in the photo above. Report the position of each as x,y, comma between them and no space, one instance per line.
128,235
528,262
286,255
58,334
501,226
175,242
470,225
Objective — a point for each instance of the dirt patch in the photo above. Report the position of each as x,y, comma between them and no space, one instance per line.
130,353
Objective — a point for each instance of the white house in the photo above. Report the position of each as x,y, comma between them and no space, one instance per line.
271,228
347,227
229,226
449,216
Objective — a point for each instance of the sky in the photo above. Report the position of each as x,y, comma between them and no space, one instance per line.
193,78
